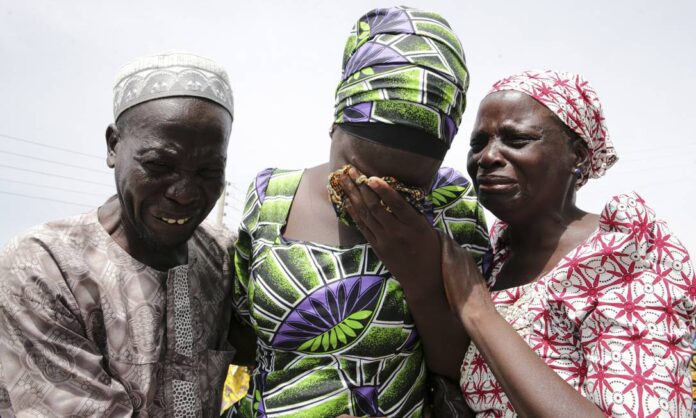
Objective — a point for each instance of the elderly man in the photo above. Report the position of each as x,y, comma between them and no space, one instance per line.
124,311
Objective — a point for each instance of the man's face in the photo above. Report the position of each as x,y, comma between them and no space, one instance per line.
169,161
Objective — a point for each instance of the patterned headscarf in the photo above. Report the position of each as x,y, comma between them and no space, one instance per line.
576,104
404,66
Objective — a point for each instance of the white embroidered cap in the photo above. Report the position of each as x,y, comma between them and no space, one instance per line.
171,75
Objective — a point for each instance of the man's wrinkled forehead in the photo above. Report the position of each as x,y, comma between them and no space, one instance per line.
176,113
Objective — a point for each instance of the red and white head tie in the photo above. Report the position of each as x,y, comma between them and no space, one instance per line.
575,102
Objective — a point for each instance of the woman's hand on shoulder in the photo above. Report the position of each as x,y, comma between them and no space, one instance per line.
465,287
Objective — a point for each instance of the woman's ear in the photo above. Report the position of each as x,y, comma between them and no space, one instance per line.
332,128
582,155
113,137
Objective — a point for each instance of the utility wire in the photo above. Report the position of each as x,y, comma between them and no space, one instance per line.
46,199
41,144
15,138
55,175
50,187
17,154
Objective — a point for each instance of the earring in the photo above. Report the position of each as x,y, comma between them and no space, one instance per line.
578,172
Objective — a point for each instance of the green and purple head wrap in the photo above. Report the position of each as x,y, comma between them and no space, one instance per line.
405,67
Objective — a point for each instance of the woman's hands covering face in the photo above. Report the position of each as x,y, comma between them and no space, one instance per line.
401,237
417,254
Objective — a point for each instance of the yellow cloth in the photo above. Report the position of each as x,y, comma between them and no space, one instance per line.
236,385
693,376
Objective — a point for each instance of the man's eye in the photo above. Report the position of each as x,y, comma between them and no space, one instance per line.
212,172
477,145
156,166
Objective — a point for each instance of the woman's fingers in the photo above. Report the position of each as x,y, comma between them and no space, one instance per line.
362,226
358,206
461,278
449,273
365,202
399,207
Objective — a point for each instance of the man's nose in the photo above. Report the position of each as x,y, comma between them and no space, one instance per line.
185,191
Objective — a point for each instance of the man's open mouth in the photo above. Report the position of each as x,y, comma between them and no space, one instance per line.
174,221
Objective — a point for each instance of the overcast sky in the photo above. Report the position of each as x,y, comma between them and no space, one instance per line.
59,59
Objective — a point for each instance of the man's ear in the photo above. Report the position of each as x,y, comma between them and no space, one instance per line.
113,137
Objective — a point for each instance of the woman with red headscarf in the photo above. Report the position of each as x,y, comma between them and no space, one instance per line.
582,314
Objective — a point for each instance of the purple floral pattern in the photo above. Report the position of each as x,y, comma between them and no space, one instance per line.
332,316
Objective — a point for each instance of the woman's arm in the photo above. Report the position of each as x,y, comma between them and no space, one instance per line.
531,385
404,241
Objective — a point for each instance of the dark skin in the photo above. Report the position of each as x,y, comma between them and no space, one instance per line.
312,217
521,161
168,157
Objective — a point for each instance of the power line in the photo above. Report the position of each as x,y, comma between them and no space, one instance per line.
50,187
46,199
17,154
55,175
41,144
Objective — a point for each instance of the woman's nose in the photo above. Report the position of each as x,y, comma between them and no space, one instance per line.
490,156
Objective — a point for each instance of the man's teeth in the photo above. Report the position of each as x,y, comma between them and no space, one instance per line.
171,221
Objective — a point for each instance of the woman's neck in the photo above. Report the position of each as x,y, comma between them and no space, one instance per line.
543,229
312,217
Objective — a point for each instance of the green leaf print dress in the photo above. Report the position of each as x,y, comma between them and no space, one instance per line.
335,335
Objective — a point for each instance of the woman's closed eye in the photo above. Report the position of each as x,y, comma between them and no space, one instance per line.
478,143
519,140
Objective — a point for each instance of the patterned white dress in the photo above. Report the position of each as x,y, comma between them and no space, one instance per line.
614,319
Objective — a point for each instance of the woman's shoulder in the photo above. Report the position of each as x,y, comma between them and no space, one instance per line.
447,176
629,225
627,213
271,182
